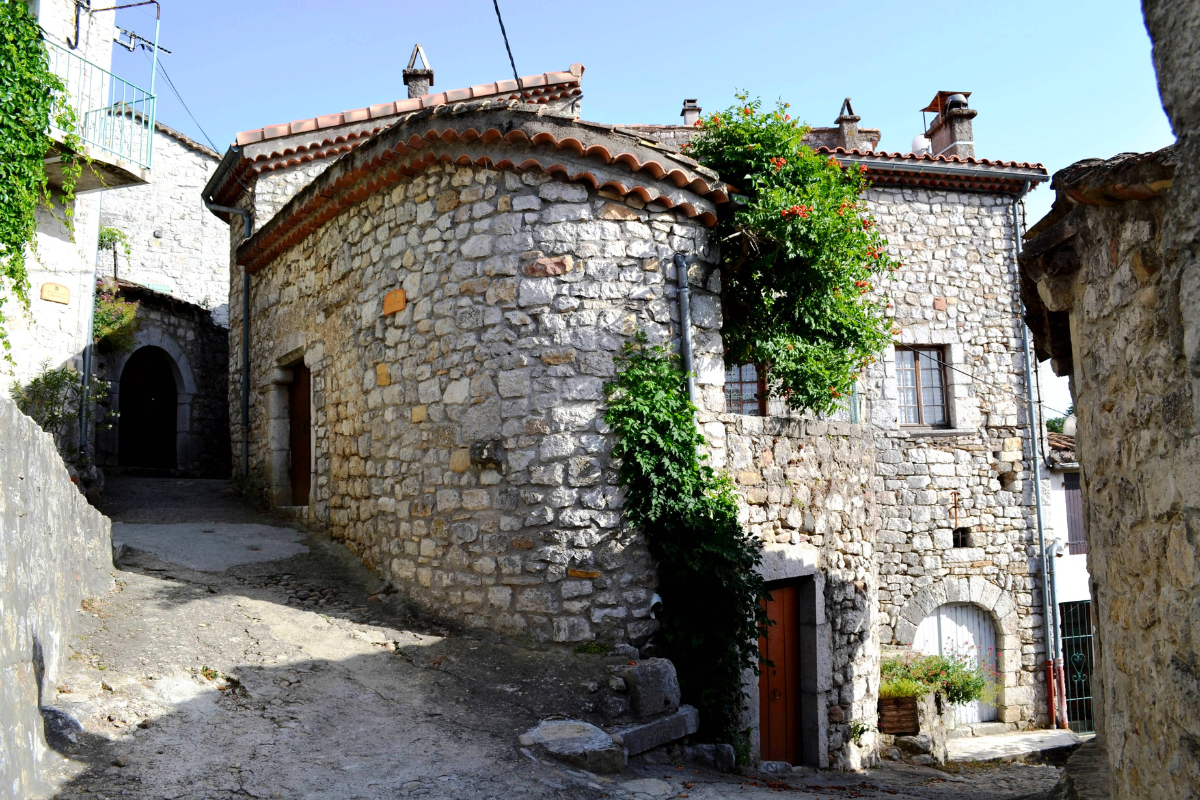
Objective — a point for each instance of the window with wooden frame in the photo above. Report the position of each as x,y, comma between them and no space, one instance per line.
746,390
921,380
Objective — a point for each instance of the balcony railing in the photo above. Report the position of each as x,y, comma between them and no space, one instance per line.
113,116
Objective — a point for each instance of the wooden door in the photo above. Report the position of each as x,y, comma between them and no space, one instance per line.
779,684
965,629
300,427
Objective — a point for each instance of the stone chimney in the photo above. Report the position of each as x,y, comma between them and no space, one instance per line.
847,123
690,113
418,79
951,132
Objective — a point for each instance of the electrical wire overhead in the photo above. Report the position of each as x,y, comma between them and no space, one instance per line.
512,63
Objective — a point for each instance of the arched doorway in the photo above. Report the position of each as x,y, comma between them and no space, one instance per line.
146,428
964,629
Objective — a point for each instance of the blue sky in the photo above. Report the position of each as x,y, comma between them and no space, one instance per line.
1053,81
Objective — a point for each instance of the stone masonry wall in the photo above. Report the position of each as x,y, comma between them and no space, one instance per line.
177,246
459,443
55,551
199,347
805,489
1139,454
958,287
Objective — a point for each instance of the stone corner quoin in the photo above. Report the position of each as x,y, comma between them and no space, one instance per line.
458,444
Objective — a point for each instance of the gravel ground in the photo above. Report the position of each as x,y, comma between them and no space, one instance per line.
300,678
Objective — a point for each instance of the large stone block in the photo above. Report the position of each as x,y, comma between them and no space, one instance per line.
653,686
684,721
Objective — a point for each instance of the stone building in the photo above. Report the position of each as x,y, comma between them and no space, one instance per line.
434,313
433,317
1109,279
177,247
61,259
946,407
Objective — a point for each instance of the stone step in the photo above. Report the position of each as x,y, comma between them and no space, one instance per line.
989,728
640,738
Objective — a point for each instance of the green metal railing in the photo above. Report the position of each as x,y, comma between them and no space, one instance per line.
112,115
1078,655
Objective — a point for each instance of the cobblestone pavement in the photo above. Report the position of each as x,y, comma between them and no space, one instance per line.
297,679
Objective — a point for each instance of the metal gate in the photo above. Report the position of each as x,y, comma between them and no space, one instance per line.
1077,652
964,629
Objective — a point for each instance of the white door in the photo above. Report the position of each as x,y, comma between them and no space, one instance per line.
965,629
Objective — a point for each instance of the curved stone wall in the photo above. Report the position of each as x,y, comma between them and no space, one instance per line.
459,446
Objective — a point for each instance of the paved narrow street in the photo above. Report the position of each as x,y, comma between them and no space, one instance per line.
240,657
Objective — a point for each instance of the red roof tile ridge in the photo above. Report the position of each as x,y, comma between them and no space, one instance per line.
538,87
883,154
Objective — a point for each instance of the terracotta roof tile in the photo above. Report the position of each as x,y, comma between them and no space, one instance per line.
884,155
642,170
539,88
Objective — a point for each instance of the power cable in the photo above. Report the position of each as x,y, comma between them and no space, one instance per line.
926,354
512,63
179,97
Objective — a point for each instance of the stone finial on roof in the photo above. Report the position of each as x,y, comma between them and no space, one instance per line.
847,122
418,79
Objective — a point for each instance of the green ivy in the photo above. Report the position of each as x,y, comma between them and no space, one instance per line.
31,97
801,257
712,614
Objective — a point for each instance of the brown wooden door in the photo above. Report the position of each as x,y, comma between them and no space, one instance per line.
779,684
300,423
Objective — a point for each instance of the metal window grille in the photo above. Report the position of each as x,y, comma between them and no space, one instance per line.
962,537
1078,658
922,384
745,391
1076,532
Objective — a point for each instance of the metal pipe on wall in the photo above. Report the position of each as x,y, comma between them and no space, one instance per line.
685,323
1047,621
246,218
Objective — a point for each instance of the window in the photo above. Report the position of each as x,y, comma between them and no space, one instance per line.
745,391
1076,533
921,380
962,537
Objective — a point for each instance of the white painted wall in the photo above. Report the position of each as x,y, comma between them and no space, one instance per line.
1071,571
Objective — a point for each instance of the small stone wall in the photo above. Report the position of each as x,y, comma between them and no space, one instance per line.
806,492
55,551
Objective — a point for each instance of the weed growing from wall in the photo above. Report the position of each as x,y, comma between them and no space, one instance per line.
800,257
114,320
31,97
712,614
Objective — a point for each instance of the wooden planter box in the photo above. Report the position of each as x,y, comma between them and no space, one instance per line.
898,716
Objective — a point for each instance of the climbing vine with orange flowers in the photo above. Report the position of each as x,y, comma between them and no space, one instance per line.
803,265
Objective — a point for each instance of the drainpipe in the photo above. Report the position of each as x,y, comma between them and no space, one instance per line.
1060,680
685,324
1048,623
245,215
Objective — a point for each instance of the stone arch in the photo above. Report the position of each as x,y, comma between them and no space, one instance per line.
149,335
1000,605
